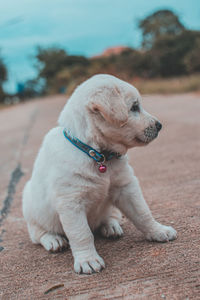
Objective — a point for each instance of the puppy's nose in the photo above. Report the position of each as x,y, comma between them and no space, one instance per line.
158,125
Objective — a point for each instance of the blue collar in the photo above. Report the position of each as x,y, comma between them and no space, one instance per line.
91,152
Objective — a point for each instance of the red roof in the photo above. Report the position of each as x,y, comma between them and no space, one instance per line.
112,51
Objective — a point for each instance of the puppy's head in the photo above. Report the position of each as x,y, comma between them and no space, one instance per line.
116,111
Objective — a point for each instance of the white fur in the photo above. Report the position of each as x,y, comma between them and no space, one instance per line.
68,197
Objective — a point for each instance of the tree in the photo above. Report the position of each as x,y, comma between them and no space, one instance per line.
51,61
158,24
192,58
173,55
33,88
3,77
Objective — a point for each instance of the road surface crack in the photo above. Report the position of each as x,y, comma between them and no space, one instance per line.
16,174
15,177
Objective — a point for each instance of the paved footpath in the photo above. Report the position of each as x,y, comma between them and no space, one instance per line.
169,173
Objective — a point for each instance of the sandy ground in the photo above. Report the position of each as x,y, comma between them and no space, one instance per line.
169,173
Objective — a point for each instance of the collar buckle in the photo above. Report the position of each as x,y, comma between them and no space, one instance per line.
100,158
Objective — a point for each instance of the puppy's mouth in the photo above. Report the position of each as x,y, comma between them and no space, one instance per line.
140,141
148,135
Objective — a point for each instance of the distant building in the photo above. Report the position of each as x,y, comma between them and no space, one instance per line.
112,51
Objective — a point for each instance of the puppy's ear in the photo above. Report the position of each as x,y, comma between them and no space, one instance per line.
111,106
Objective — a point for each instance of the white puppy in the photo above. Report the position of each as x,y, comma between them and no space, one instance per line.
68,195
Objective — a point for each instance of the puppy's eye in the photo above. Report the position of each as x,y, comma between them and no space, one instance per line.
135,107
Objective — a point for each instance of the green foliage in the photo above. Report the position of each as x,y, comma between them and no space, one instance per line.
168,49
158,24
3,77
3,72
33,88
51,61
192,57
2,94
135,63
170,52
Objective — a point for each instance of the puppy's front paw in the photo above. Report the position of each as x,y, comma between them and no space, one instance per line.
161,233
53,243
88,265
111,229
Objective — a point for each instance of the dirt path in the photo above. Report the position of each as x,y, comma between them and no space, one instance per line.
169,174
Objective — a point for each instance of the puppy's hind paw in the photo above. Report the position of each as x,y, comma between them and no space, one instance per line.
162,233
111,229
53,242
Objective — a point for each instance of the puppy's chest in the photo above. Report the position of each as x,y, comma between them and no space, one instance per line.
96,206
100,192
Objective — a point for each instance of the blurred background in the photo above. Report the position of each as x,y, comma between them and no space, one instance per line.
48,47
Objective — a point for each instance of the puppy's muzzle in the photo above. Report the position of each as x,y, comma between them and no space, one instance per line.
151,132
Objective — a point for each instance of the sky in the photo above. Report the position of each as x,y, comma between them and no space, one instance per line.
84,27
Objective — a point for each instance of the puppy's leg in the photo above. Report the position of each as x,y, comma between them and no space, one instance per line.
81,239
131,202
110,224
51,242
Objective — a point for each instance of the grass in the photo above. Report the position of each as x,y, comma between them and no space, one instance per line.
176,85
183,84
